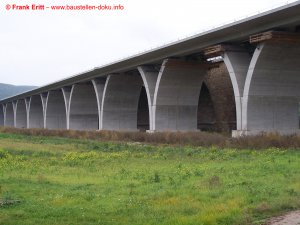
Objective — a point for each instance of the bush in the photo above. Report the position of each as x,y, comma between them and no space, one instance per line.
205,139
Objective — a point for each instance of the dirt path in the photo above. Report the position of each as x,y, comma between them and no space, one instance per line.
292,218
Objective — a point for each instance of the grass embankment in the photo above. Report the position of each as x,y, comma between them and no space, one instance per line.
50,180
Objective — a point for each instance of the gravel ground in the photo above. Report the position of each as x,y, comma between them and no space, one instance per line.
292,218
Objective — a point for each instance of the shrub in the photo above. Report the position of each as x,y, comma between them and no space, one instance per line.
206,139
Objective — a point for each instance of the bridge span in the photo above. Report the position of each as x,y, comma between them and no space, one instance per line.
243,77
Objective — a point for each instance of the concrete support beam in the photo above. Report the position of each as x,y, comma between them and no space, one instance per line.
27,102
21,114
120,102
266,86
55,112
36,112
83,109
1,115
149,75
99,84
175,100
9,115
44,97
67,93
271,94
237,63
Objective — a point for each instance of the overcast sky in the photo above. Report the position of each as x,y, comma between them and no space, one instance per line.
41,47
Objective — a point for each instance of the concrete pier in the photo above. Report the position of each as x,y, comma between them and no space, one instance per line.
21,114
120,102
83,111
9,115
176,95
36,112
55,113
99,85
1,115
271,94
237,62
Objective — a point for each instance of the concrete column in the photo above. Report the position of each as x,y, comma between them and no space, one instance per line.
36,112
271,94
21,114
55,113
1,115
44,97
83,112
149,75
67,93
99,84
237,63
120,102
27,103
9,115
15,111
176,95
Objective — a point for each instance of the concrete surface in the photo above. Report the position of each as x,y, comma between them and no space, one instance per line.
21,114
36,112
1,115
176,95
149,75
237,63
99,84
9,115
120,102
83,111
271,93
55,112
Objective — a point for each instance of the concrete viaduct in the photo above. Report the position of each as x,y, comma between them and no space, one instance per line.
242,77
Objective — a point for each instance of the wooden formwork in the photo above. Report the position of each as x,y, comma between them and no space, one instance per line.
217,50
275,36
214,50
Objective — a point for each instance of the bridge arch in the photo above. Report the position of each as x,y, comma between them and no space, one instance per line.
21,114
55,112
271,94
221,94
206,116
83,108
120,102
9,115
176,95
143,118
36,112
237,64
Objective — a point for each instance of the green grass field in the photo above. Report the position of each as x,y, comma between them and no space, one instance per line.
48,180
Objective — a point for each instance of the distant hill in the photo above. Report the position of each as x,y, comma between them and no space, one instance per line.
7,90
